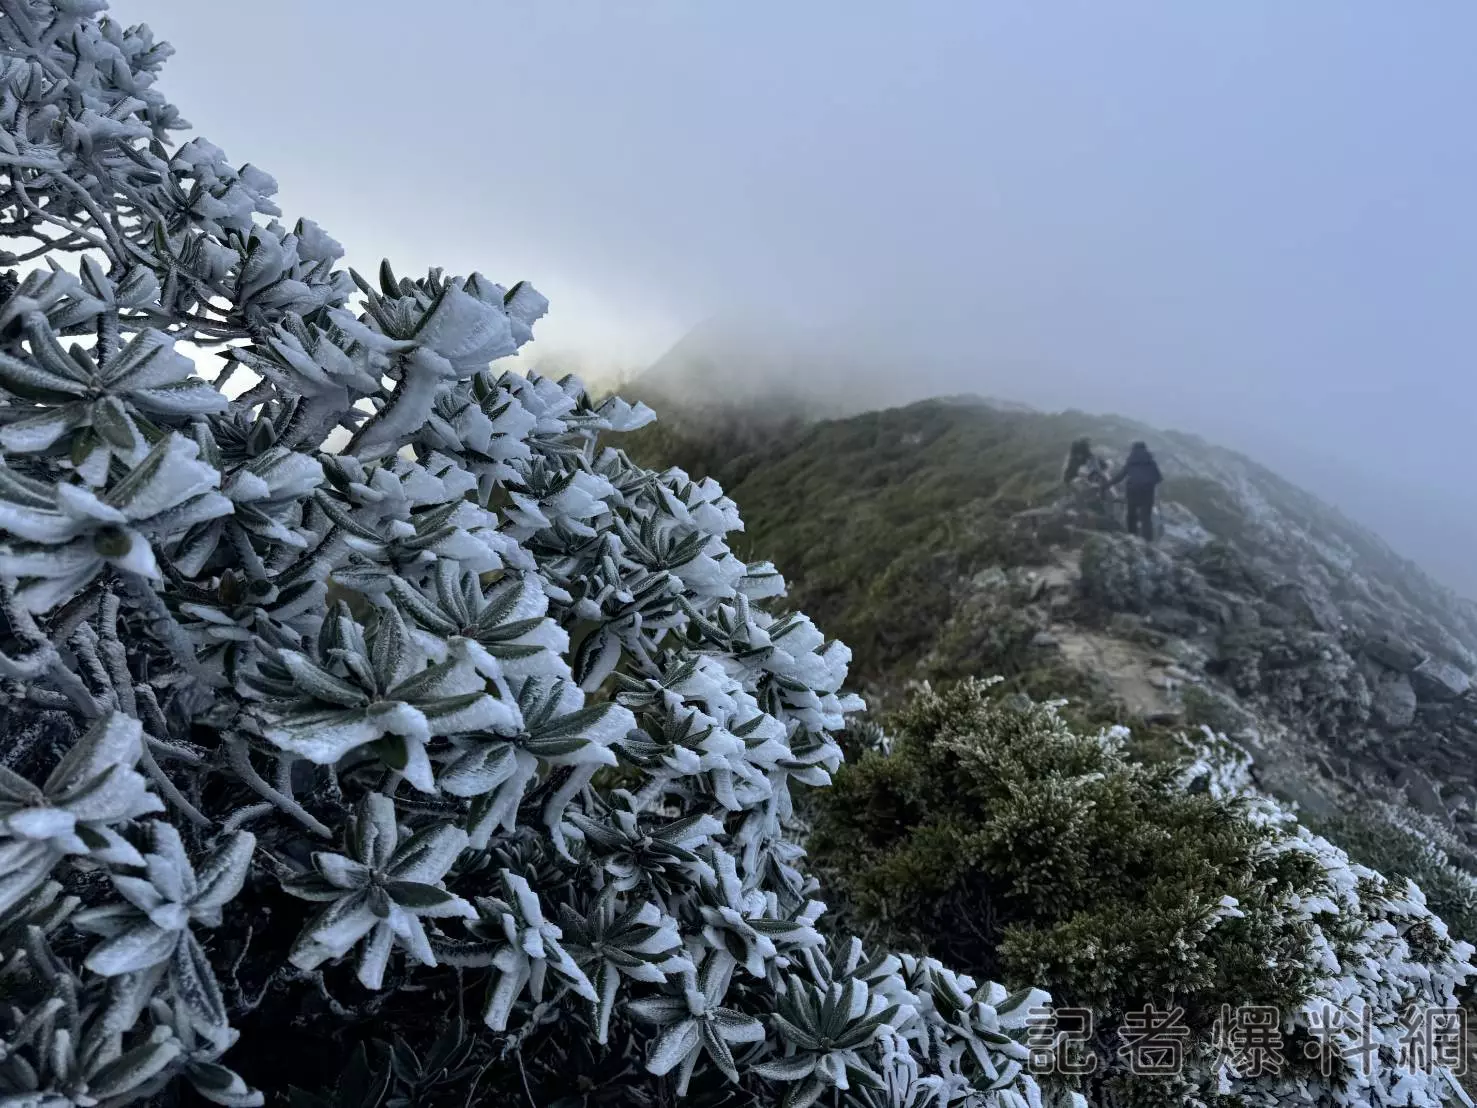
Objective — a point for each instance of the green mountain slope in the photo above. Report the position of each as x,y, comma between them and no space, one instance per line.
938,542
874,518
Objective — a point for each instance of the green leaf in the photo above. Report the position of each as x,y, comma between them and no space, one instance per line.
195,987
415,894
575,723
554,748
125,1074
111,421
139,478
361,1086
426,684
33,383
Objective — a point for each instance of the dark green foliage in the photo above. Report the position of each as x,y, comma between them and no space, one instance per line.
1398,843
876,518
997,838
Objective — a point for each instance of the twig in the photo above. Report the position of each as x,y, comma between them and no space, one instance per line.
72,687
240,760
524,1074
115,656
172,748
243,815
167,787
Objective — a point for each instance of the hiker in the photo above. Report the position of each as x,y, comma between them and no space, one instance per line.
1077,457
1094,471
1140,476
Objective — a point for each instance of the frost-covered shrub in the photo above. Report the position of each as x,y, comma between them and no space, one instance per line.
1398,840
306,689
994,836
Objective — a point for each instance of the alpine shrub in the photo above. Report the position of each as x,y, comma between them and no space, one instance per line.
307,682
993,836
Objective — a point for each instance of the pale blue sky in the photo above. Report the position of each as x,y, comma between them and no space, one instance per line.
1249,219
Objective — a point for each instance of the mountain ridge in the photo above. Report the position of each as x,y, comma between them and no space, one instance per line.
723,361
938,541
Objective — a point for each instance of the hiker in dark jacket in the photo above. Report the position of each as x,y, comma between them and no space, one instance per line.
1140,476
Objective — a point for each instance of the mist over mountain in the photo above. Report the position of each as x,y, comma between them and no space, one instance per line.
938,541
817,371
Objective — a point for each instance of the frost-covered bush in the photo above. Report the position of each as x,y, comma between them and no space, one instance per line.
1397,839
380,700
994,836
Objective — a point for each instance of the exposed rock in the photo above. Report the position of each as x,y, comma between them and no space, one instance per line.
1392,700
1123,574
1390,650
1174,621
992,579
1044,640
1437,680
1180,528
1424,793
1244,615
1305,605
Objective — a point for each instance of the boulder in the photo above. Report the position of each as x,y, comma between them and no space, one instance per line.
1424,793
1304,606
1392,651
1269,614
991,579
1392,700
1437,680
1244,614
1173,621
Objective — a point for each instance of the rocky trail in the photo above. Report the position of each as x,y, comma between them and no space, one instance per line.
1333,701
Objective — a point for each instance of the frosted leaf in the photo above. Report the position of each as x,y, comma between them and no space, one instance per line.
336,934
525,306
325,737
41,823
138,948
39,432
376,958
24,867
466,331
220,876
673,1047
83,505
150,361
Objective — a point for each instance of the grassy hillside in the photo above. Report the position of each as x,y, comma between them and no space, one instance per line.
876,519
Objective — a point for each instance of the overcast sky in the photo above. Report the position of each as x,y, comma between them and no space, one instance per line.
1251,219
